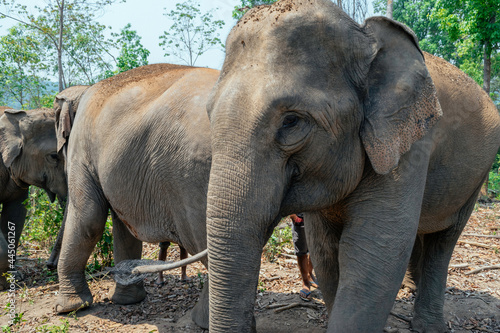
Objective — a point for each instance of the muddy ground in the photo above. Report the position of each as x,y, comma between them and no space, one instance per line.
472,298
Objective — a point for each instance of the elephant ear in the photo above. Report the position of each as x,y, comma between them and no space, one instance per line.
402,104
11,141
65,105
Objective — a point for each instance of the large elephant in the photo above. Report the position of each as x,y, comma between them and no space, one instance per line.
29,157
65,105
377,142
140,146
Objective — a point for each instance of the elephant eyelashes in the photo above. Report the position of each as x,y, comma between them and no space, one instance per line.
290,121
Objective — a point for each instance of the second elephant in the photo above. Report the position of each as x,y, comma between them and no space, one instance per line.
28,157
140,146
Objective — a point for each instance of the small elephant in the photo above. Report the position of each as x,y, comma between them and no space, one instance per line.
29,157
140,146
384,147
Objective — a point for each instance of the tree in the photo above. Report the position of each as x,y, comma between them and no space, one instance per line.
65,25
132,53
475,25
417,14
389,9
21,69
192,33
354,8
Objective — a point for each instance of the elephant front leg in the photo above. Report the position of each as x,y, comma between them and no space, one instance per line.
12,224
323,234
84,225
126,246
56,250
379,230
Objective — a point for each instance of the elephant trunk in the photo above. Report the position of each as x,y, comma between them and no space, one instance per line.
237,229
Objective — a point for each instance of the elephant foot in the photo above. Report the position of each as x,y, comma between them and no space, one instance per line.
7,283
123,294
72,302
51,263
419,324
200,314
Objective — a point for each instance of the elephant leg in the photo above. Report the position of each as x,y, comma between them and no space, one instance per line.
200,313
87,211
437,251
414,271
56,250
126,246
11,224
322,235
184,255
162,255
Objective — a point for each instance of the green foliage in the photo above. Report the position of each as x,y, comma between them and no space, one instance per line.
281,238
192,33
21,69
494,183
83,49
132,53
43,219
462,32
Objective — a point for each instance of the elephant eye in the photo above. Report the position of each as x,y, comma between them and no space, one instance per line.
290,121
52,157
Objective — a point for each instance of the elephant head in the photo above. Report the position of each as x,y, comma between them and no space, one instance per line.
28,150
65,104
307,102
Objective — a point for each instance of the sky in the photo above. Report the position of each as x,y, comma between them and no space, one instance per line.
148,19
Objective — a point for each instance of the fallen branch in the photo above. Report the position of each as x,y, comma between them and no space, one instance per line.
486,246
96,275
484,268
293,305
459,266
478,235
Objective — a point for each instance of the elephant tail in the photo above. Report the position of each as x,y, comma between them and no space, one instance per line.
128,272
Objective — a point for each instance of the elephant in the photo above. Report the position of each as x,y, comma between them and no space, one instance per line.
140,146
65,106
29,157
381,145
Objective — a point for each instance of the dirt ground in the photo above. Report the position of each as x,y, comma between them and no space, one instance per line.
472,298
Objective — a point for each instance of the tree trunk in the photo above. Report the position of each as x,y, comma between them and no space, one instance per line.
389,9
60,46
